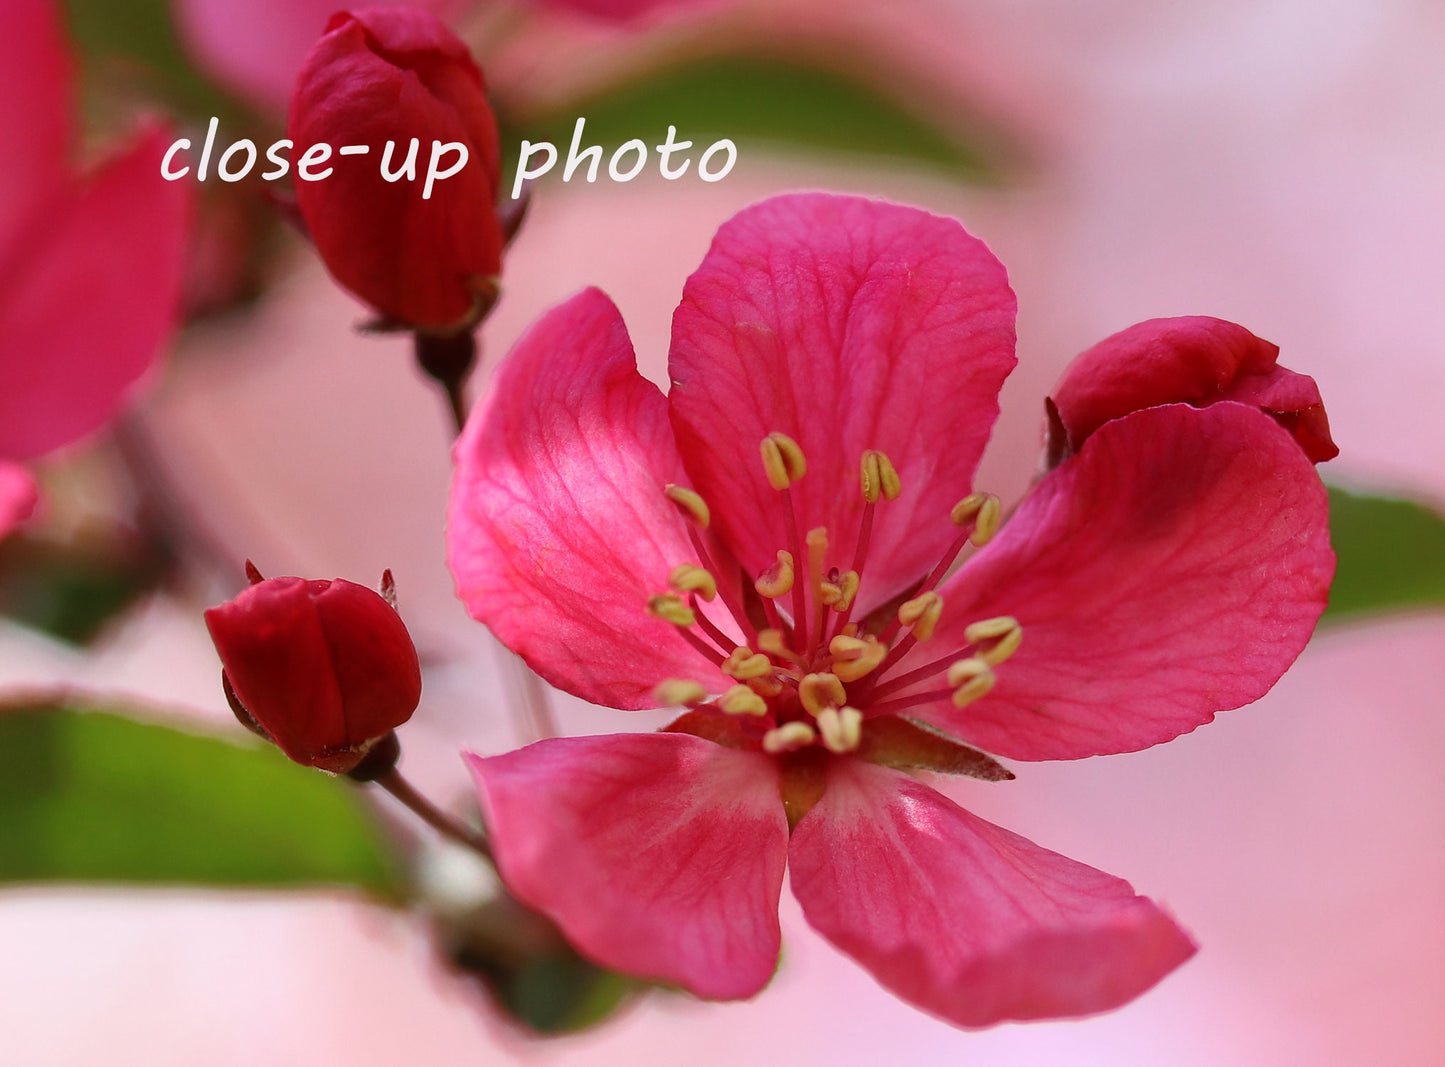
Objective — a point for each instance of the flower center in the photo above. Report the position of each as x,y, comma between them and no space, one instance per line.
808,672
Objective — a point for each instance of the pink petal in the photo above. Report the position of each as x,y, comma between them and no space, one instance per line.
80,321
847,324
18,496
35,123
1195,360
559,531
659,855
966,920
1172,569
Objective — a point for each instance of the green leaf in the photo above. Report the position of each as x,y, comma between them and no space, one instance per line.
72,590
92,796
532,974
138,41
1391,554
765,101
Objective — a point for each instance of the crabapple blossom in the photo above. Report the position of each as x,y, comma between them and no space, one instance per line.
774,546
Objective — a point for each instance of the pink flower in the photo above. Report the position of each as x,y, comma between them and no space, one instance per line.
90,267
421,255
769,544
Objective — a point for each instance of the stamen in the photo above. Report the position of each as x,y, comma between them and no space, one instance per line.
986,525
840,728
966,670
670,608
690,578
918,674
766,687
972,689
777,580
891,707
689,503
719,638
967,509
878,477
676,692
819,691
775,644
922,614
744,664
817,541
783,460
855,657
847,587
729,593
998,638
789,737
741,700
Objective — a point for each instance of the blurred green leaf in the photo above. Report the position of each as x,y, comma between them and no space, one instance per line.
1391,554
529,970
140,37
71,590
92,796
757,99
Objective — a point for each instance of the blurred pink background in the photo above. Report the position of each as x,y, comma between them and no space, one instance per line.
1277,163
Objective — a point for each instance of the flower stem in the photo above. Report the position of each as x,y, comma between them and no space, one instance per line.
429,813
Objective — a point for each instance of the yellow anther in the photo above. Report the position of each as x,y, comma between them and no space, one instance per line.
998,638
819,691
986,525
789,737
777,580
744,664
967,509
921,613
856,657
973,688
1004,647
690,504
766,686
773,642
981,509
670,608
989,629
740,700
966,670
878,477
840,728
675,692
690,578
783,460
839,595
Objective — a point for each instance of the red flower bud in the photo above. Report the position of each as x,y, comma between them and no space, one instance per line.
324,668
1192,360
391,75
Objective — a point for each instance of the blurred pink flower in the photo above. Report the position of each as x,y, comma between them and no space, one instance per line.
256,46
1173,567
623,10
90,265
